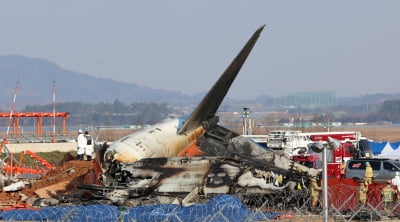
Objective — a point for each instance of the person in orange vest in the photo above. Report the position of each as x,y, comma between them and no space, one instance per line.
369,173
342,168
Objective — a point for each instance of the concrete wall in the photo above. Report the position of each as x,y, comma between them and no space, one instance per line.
41,147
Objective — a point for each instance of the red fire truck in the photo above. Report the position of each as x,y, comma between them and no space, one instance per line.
350,147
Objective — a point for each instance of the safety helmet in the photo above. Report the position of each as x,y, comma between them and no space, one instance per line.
367,163
80,131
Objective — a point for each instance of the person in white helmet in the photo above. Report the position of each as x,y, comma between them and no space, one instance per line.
89,146
396,182
81,143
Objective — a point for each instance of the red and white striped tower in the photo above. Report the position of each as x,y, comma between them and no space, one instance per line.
54,112
3,143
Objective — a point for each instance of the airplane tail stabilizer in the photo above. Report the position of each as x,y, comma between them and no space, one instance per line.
211,102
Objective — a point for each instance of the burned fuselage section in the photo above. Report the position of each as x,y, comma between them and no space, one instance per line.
175,178
231,164
219,141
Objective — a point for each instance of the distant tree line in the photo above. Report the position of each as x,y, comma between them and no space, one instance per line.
387,111
116,113
119,113
390,110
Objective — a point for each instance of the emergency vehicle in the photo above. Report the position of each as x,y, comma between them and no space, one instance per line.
352,146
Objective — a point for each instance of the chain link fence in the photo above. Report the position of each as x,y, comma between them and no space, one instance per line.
344,205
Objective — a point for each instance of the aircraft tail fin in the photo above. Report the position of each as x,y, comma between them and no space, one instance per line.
211,102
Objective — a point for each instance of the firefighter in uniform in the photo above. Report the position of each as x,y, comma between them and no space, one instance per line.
315,191
387,194
342,168
369,173
362,192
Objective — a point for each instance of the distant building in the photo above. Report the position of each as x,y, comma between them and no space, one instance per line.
317,99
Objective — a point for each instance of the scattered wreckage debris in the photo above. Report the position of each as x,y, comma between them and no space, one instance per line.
22,171
54,188
179,180
189,180
16,176
10,166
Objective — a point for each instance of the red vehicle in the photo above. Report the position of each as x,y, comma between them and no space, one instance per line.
341,136
309,160
350,148
345,152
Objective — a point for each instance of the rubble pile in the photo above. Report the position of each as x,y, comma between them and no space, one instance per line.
57,183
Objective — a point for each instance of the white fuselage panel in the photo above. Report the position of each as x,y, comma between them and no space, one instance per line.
160,140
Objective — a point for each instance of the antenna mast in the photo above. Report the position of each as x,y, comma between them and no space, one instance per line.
54,112
3,143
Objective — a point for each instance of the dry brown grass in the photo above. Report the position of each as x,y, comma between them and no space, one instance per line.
391,134
113,134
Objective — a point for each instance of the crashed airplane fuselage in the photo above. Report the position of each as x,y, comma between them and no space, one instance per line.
146,162
169,138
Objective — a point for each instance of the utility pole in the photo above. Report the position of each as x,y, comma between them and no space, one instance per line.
246,124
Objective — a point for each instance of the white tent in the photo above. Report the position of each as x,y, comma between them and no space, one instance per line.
387,148
394,154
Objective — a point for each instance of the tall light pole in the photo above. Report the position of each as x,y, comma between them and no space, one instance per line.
318,147
245,115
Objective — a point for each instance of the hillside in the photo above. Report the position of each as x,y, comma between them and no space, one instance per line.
37,75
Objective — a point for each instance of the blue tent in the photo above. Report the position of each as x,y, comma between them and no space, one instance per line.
395,145
377,147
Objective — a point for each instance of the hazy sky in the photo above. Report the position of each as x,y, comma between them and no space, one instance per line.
348,46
